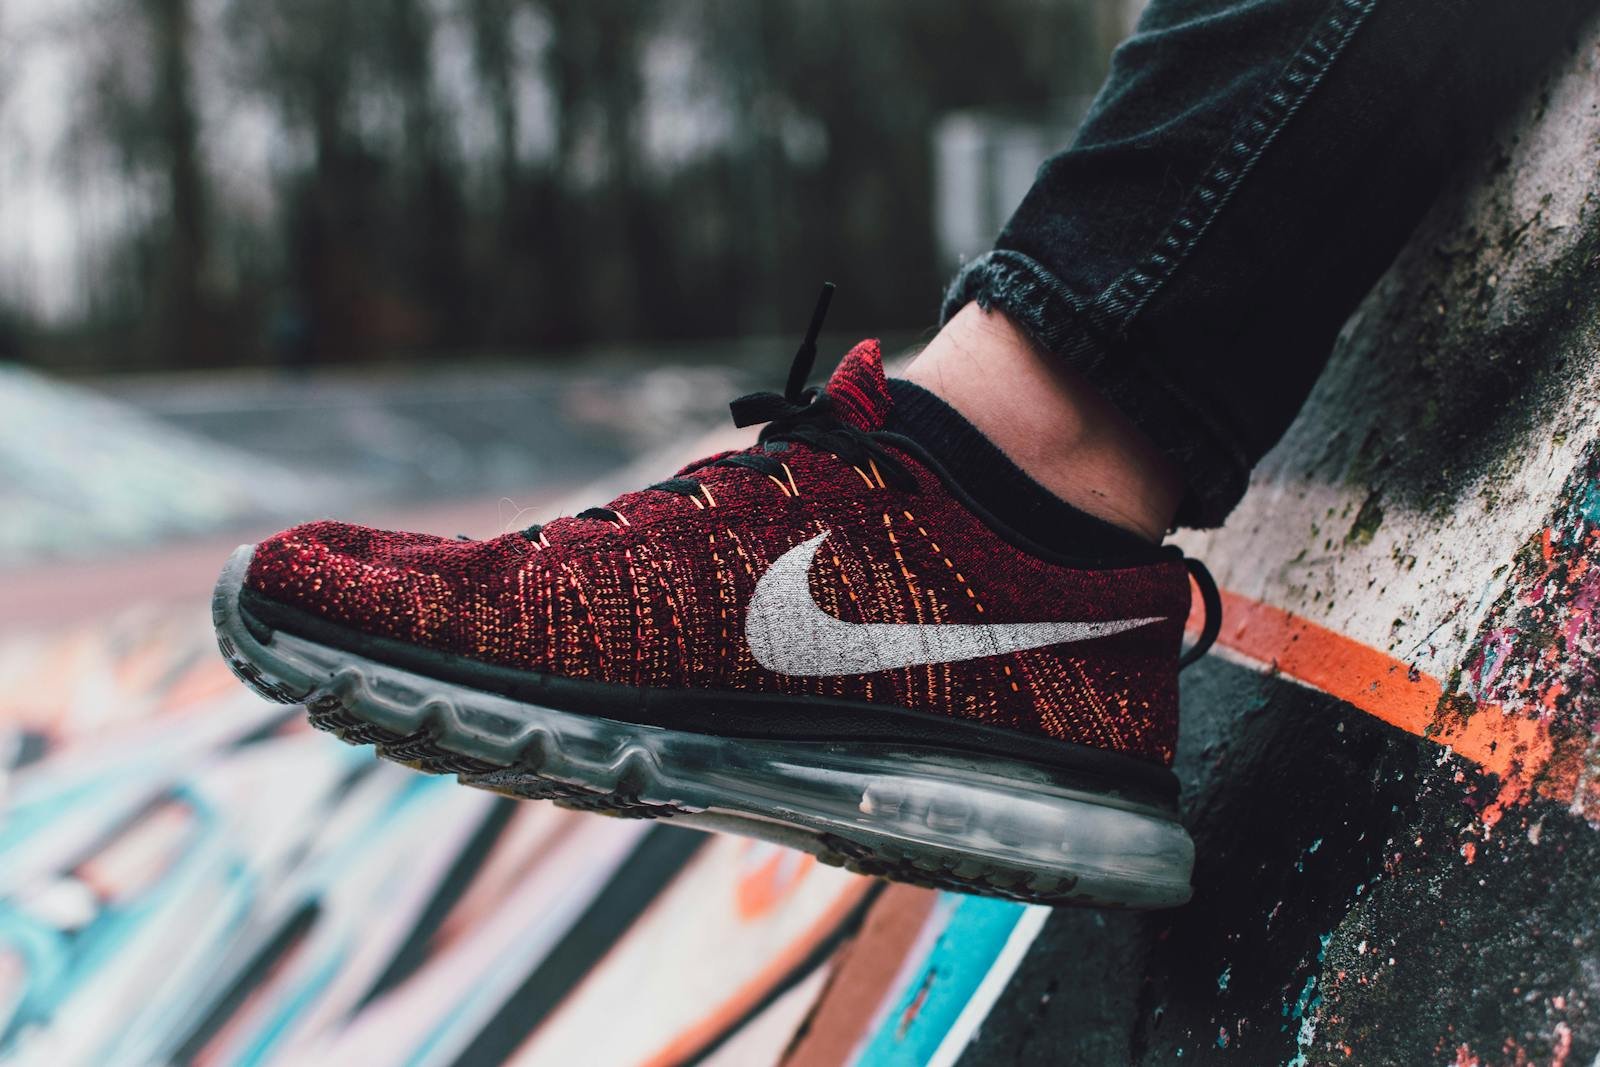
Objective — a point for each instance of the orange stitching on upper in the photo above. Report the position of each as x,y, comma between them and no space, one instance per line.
976,603
843,577
1096,702
722,604
594,622
641,624
678,628
912,592
744,557
905,571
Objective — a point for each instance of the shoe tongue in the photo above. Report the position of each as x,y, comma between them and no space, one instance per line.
859,390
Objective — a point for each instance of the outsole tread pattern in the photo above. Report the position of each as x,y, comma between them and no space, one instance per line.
421,752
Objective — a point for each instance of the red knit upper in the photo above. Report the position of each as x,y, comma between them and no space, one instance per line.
659,600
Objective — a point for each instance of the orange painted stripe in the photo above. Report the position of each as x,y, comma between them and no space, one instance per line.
205,680
761,891
1383,687
864,975
717,1022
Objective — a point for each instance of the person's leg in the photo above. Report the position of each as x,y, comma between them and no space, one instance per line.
1245,175
1050,421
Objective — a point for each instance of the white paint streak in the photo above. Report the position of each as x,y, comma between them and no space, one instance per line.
994,983
1420,588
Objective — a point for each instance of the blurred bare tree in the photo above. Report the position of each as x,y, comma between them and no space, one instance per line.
140,110
453,175
176,141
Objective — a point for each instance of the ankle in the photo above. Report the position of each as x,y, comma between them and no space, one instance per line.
1050,421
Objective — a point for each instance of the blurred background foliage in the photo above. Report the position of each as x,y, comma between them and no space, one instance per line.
196,183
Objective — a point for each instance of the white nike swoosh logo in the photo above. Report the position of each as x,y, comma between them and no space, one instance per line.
790,634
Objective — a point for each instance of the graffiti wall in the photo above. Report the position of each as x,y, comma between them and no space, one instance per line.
189,874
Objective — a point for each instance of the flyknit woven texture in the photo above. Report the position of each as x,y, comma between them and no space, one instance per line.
660,601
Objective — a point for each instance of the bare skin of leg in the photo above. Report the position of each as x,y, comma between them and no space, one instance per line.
1050,421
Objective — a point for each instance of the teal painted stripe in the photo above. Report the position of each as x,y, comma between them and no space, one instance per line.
942,985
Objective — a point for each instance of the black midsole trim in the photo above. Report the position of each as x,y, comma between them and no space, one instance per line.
718,712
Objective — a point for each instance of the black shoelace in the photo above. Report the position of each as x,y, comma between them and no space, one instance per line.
801,414
804,414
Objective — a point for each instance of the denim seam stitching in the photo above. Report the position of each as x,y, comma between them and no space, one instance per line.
1127,296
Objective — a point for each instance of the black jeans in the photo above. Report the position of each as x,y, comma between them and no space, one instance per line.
1246,173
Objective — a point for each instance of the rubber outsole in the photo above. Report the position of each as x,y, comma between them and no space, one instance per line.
945,820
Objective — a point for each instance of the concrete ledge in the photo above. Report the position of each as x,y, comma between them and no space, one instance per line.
1390,769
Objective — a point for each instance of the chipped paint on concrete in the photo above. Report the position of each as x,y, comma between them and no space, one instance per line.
1408,680
1536,654
1360,527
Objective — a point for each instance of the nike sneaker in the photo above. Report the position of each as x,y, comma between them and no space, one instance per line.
868,636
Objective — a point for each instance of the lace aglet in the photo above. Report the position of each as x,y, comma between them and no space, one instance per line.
819,313
806,357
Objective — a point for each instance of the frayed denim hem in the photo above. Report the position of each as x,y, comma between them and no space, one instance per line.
1214,469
